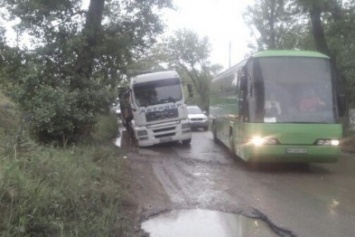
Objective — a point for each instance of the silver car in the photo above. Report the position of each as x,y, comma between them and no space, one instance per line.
197,118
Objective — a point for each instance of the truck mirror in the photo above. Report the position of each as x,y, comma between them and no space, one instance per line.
189,88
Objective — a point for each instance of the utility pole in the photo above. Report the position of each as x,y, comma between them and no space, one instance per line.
230,53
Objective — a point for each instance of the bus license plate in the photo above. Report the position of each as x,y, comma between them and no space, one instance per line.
296,150
165,139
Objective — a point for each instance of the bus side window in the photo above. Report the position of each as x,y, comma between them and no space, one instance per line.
241,92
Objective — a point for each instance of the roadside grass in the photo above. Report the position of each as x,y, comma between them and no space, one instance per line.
48,191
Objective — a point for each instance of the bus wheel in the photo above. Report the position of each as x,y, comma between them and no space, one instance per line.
231,141
214,132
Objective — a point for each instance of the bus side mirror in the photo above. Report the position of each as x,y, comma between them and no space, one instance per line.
189,88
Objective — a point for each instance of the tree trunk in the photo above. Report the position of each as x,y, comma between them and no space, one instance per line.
272,43
91,33
317,29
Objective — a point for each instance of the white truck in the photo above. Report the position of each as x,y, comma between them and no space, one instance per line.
158,108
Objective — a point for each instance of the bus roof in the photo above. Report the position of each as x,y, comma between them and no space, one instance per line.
289,53
270,53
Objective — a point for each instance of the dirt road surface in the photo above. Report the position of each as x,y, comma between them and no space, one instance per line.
293,200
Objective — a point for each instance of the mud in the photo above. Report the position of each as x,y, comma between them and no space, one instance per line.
290,200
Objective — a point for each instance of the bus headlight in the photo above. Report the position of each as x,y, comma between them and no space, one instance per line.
259,141
327,142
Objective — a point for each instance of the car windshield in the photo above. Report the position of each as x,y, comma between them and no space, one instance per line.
157,92
194,110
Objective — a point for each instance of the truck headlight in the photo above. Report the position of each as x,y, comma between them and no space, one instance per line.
142,133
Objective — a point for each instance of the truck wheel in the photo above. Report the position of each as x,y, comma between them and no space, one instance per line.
186,142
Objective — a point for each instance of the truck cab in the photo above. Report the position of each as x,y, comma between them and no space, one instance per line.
158,108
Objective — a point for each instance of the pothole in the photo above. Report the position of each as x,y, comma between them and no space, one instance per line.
197,222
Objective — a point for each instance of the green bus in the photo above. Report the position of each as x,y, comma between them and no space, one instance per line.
278,106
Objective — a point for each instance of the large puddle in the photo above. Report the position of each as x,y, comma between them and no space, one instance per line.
202,223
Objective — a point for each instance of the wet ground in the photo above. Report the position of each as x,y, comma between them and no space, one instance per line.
205,183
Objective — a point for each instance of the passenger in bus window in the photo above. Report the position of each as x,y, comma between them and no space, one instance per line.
272,107
310,102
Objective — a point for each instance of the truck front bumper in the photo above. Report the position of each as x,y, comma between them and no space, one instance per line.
163,132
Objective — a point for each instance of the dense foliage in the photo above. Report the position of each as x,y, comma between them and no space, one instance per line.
77,58
46,191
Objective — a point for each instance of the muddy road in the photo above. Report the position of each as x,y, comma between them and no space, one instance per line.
291,200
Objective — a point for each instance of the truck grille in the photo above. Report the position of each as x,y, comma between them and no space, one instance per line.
163,129
160,115
165,135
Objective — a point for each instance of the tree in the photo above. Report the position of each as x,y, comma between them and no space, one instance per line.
77,59
189,54
277,24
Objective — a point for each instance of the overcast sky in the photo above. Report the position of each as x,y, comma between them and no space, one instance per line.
220,20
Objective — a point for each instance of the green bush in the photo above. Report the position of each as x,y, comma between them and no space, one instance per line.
57,111
46,191
106,128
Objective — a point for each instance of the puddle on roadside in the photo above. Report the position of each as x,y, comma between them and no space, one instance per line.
118,141
201,223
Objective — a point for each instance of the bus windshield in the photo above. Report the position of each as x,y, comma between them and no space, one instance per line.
292,90
157,92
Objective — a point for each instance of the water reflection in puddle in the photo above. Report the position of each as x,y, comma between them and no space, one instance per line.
202,223
118,141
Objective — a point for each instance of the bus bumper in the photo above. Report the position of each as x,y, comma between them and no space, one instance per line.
283,153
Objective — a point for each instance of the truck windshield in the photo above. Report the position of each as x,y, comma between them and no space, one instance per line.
292,90
157,92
